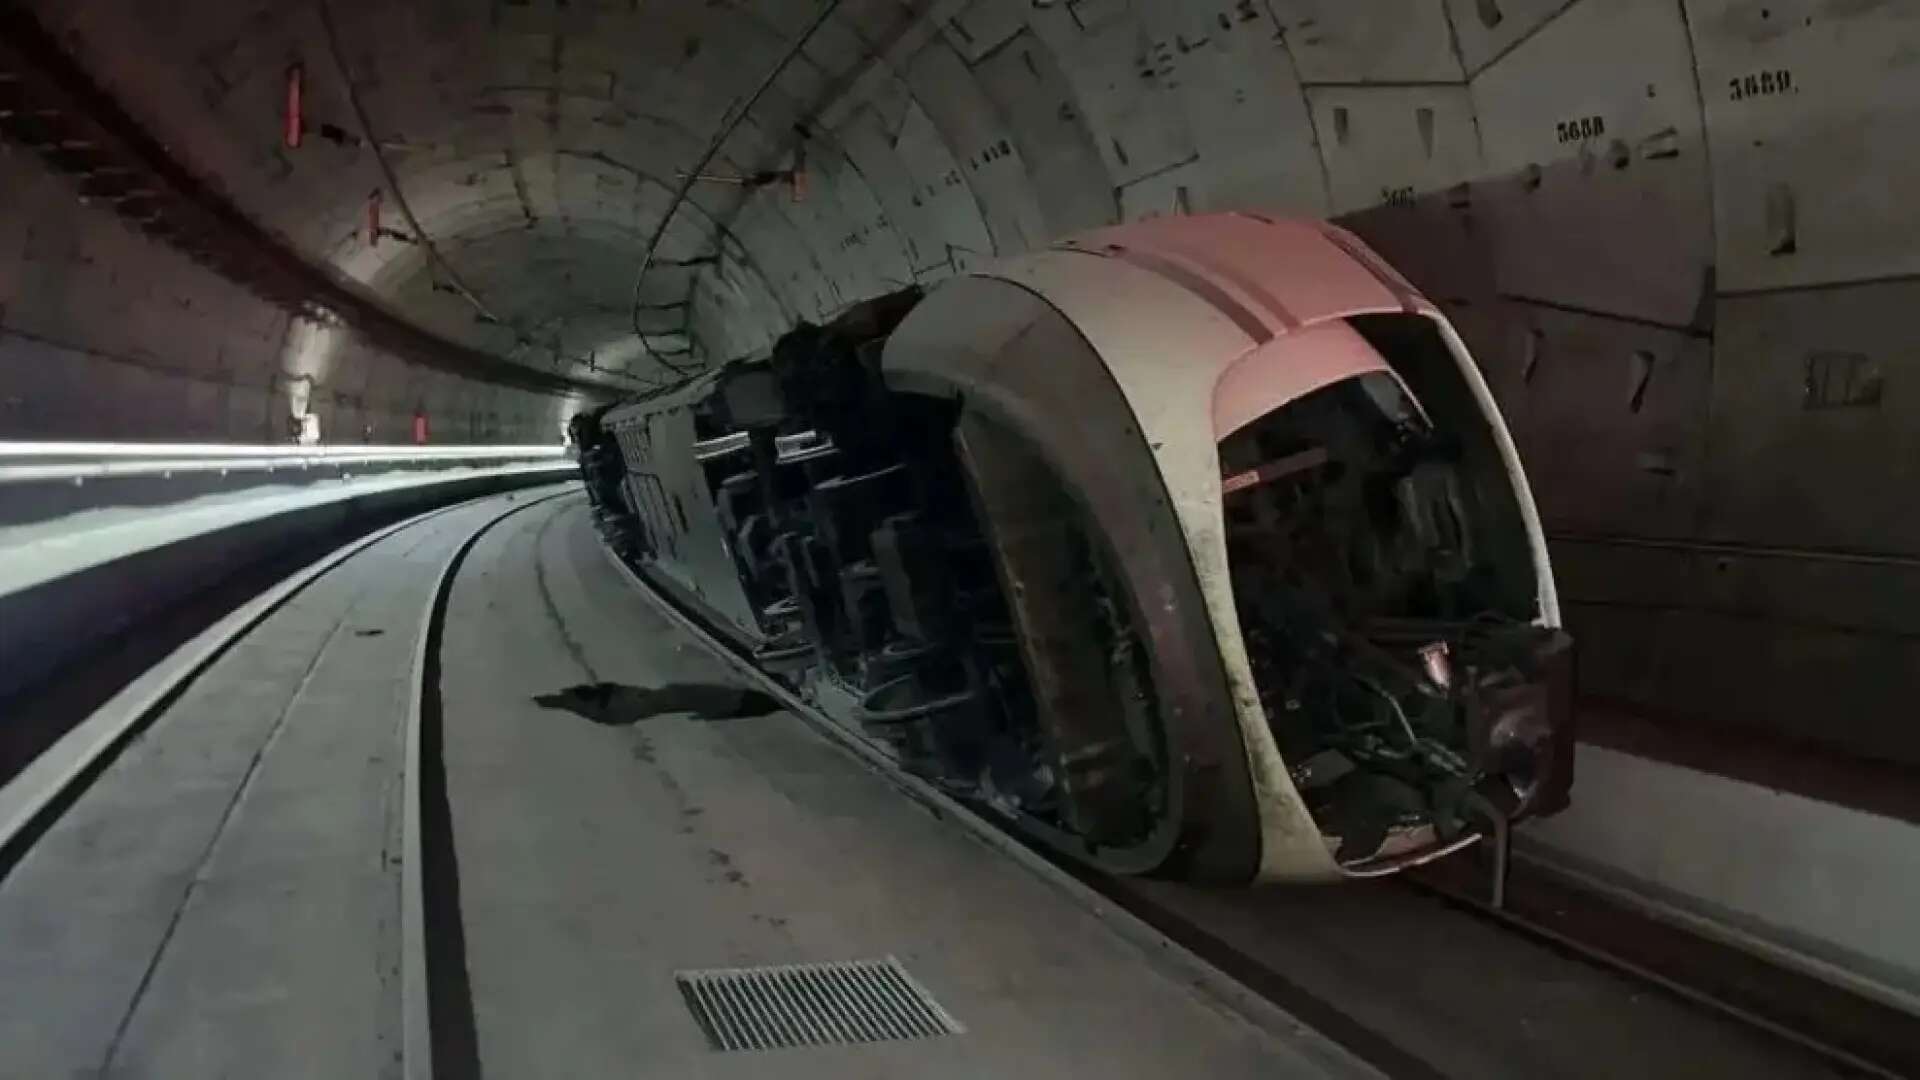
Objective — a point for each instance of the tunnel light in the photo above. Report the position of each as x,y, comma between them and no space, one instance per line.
134,451
80,462
373,218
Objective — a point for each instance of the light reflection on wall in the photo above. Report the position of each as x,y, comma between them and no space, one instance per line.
305,363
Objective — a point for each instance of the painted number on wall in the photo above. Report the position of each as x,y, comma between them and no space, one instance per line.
1587,127
1761,84
1396,196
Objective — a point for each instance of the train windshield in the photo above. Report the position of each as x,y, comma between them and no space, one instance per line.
1347,501
1373,608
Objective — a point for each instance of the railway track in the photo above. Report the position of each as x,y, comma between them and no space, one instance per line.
214,715
137,1012
45,785
1856,1034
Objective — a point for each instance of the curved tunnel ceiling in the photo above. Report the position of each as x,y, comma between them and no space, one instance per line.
536,146
536,143
1619,188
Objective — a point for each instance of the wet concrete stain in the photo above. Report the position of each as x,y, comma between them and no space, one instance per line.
619,705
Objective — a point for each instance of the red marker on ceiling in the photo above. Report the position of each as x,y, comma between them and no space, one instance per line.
373,218
296,123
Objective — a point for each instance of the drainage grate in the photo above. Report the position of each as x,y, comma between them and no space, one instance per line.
859,1001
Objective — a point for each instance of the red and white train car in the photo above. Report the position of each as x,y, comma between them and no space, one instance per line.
1193,547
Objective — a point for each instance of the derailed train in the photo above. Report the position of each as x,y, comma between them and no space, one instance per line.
1192,547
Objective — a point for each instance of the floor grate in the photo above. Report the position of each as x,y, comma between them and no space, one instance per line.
858,1001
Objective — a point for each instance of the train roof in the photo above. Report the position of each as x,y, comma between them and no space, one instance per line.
1271,276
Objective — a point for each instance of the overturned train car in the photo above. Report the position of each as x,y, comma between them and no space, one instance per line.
1192,547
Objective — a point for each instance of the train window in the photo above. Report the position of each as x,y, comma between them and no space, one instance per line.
1413,347
1372,556
1347,494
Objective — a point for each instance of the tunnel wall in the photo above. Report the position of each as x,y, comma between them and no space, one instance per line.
1671,232
106,334
1678,234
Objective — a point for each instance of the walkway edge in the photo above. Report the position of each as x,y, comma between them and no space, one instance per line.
416,988
416,1028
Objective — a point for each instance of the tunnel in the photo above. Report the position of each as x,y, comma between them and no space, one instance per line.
1676,238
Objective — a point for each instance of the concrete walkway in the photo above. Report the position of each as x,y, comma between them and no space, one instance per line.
607,841
223,901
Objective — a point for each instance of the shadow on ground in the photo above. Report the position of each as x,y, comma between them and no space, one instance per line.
618,705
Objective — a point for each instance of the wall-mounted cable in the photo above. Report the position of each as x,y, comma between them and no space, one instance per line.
85,135
692,174
451,276
448,279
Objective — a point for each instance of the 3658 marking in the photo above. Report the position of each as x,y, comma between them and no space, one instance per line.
1396,196
1761,84
1586,127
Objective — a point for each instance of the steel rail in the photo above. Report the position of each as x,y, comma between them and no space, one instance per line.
432,1026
